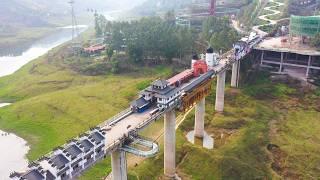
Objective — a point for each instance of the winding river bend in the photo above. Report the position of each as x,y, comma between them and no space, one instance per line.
11,63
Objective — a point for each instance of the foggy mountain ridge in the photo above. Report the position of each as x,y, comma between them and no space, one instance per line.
149,7
37,12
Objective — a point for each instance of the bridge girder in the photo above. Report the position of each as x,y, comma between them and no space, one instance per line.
195,96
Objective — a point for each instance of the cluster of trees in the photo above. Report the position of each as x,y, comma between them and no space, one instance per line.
151,7
248,14
100,24
315,41
148,39
153,40
219,33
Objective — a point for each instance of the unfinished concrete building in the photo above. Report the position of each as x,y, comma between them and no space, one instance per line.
293,54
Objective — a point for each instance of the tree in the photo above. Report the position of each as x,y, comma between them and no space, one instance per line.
170,17
97,24
315,41
117,38
109,53
214,25
135,52
185,42
115,64
148,39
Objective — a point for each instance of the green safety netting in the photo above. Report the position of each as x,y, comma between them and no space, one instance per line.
304,25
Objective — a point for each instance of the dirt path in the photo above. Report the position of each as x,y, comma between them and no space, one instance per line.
265,17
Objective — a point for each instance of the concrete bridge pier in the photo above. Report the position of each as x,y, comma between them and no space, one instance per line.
221,80
235,74
281,63
309,64
169,144
199,119
119,165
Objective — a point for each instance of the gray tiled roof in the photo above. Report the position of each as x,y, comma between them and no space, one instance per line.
160,82
49,176
73,150
139,102
159,91
59,161
97,137
87,145
33,175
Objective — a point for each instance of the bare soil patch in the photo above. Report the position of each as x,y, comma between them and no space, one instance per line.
278,164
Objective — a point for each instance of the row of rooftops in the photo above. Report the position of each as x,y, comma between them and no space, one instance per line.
34,174
63,155
162,89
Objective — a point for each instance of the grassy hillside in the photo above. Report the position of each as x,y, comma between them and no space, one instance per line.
261,138
54,104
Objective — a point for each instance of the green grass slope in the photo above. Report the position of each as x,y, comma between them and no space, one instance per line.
254,121
54,104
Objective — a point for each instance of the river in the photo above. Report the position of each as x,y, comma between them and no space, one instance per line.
11,63
12,152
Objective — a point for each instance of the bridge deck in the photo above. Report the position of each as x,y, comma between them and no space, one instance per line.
121,129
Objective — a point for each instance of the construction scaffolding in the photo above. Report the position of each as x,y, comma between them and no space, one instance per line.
304,25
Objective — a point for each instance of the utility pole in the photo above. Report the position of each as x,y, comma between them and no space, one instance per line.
75,31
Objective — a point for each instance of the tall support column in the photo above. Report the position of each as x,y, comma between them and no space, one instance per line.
281,62
234,76
119,165
262,57
238,77
221,80
199,119
169,144
308,68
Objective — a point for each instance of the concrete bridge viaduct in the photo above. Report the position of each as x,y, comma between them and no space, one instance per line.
118,157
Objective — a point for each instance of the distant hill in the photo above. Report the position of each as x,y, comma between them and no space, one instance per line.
149,7
37,12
